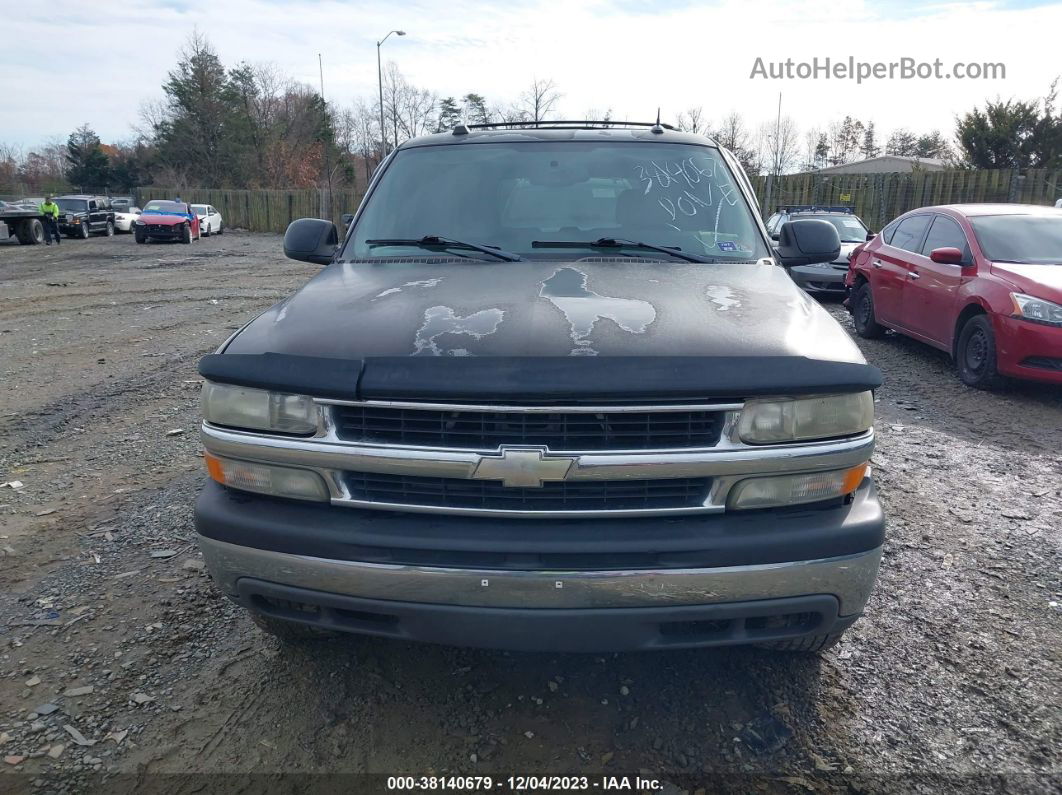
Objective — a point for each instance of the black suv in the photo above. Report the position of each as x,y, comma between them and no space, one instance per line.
552,391
83,215
823,277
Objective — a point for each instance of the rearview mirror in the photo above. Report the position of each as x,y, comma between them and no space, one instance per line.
806,242
948,255
311,240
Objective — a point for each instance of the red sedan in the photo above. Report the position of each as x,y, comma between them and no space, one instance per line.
166,220
980,281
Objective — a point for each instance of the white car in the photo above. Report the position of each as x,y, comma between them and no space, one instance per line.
124,219
209,219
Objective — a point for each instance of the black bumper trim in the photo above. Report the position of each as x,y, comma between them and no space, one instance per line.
564,630
730,539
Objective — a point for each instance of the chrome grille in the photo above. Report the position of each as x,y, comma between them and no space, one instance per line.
560,430
605,495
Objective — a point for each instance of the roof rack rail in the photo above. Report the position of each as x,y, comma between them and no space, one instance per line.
565,123
814,208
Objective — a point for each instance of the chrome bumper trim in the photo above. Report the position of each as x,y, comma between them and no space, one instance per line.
849,578
711,462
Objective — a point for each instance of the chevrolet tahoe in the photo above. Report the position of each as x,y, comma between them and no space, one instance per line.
552,390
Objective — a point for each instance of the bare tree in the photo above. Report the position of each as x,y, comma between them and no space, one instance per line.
692,120
780,145
732,133
539,100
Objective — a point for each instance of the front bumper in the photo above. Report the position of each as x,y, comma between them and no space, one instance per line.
820,280
1029,350
160,231
713,580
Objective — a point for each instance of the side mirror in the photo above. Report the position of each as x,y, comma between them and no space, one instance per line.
311,240
806,242
346,218
871,235
948,255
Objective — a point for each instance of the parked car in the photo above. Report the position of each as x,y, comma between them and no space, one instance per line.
980,281
823,277
83,215
124,219
600,415
166,220
121,203
209,219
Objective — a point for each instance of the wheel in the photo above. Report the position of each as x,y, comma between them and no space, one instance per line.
866,325
110,229
186,234
221,227
138,236
289,631
83,231
207,234
30,232
975,355
811,643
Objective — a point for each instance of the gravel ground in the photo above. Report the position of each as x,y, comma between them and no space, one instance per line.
121,666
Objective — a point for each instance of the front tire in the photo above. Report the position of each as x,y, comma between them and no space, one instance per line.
289,631
186,234
975,355
110,229
207,233
866,324
84,231
138,237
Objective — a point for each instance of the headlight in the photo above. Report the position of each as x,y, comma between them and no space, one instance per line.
242,407
767,420
782,490
299,484
1037,309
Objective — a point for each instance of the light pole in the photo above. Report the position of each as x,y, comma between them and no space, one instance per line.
379,75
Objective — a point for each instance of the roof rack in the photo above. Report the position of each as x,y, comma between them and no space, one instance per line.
587,124
814,208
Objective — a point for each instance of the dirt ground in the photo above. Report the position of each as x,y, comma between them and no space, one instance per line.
121,666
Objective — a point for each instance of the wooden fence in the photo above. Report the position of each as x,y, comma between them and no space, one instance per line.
261,210
878,198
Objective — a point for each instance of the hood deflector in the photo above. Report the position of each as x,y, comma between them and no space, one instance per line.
479,379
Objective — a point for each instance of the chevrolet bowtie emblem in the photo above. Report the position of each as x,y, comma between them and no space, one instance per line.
523,467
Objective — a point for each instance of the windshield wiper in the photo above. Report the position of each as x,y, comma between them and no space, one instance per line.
434,241
613,242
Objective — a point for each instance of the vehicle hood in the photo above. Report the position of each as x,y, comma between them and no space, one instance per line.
167,219
1041,281
596,307
846,251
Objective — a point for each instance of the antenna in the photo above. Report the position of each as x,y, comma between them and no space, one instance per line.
657,128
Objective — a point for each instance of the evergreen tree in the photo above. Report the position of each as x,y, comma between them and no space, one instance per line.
87,165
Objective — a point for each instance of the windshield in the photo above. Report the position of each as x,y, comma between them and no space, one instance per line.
165,207
849,228
73,205
1033,239
511,194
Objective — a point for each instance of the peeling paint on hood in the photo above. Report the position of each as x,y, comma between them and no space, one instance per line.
422,283
722,296
567,290
440,320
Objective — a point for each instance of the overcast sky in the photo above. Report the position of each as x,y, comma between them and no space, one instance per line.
79,61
